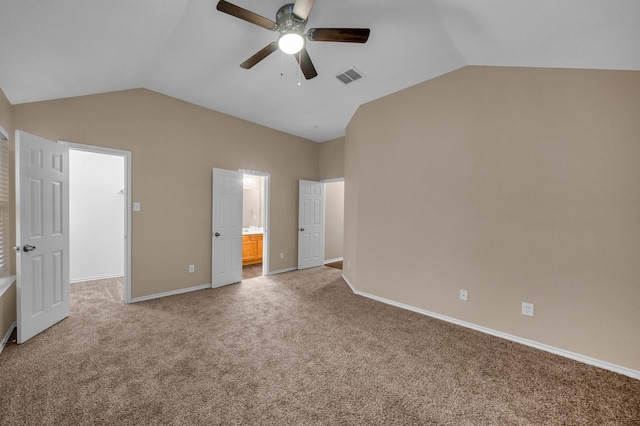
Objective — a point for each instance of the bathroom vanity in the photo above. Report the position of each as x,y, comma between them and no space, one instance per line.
252,245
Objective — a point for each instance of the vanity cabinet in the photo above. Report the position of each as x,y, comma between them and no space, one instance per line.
251,249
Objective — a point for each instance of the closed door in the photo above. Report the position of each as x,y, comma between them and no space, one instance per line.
42,234
226,238
311,224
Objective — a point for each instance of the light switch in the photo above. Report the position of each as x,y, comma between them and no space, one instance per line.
136,206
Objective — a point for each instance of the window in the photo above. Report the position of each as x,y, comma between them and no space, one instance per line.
4,199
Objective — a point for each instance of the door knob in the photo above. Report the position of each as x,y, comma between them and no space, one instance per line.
217,234
301,229
27,248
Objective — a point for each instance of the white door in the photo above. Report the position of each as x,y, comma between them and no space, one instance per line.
226,228
42,233
311,224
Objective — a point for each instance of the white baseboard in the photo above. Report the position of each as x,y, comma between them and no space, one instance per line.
170,293
567,354
196,288
6,336
337,259
282,271
346,280
101,277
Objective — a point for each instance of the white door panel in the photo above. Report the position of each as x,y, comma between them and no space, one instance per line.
226,228
311,224
42,234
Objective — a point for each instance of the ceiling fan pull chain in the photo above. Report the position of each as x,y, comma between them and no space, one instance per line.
299,68
281,63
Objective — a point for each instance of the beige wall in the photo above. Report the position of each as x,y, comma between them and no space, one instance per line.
8,299
351,197
174,146
334,220
516,184
331,159
7,309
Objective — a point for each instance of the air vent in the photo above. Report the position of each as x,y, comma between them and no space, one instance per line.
349,76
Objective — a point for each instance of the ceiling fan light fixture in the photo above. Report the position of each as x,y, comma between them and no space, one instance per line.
291,43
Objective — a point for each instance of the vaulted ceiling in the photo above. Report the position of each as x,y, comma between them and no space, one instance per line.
188,50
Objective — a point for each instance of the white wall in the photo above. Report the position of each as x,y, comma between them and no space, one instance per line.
252,201
96,215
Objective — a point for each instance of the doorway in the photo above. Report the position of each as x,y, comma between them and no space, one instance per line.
334,223
321,223
255,208
99,219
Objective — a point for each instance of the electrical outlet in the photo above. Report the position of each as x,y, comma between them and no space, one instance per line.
281,255
464,295
192,268
527,309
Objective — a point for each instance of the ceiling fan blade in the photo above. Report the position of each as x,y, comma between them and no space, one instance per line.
244,14
345,35
301,8
268,50
306,65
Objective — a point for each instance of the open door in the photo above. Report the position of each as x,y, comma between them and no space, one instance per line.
311,224
226,236
42,234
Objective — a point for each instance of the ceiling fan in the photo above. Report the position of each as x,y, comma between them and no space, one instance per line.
290,22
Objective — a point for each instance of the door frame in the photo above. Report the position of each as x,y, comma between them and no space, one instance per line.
127,203
267,223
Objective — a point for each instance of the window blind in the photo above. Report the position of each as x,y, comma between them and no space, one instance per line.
4,201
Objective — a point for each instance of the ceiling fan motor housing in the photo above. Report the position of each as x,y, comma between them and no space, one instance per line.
288,22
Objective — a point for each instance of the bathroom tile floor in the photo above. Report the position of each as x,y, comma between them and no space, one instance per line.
251,271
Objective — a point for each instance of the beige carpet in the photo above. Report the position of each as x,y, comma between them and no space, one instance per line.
292,349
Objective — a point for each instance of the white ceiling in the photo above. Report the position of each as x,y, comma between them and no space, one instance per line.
189,50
